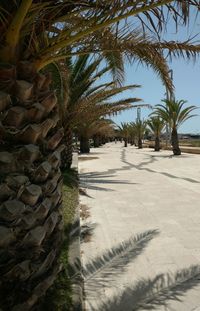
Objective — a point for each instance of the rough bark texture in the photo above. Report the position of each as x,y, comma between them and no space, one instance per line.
66,155
139,143
157,144
84,144
30,187
175,142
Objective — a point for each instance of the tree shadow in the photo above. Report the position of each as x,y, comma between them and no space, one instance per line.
92,180
112,172
102,270
84,193
151,160
145,294
91,187
87,230
151,293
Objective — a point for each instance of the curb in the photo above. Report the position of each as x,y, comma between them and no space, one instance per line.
75,254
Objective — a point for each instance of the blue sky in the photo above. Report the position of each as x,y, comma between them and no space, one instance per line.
186,78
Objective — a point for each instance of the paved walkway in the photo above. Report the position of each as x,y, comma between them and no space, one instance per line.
151,202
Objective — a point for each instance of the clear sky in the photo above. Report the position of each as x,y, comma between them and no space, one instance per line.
186,78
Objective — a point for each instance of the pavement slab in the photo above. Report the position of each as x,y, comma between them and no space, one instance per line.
149,202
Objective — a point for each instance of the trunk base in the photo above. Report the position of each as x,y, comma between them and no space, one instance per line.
176,151
175,143
157,144
139,143
84,145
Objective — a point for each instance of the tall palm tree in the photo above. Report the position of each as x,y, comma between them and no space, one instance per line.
82,76
140,128
33,34
156,125
174,113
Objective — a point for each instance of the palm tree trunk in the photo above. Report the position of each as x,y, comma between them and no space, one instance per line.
157,144
96,140
139,143
67,153
104,140
30,187
125,142
175,142
84,144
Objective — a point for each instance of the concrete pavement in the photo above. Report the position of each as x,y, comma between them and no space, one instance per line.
150,201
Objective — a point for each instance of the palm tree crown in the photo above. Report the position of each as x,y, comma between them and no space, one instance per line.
156,125
174,113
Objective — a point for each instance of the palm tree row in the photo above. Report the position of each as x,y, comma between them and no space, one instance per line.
34,34
84,100
132,132
171,113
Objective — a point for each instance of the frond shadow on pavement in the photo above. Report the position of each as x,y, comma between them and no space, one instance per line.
146,293
87,229
149,294
142,166
95,181
102,270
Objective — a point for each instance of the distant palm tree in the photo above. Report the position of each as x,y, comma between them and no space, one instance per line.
132,133
156,125
140,128
124,132
173,113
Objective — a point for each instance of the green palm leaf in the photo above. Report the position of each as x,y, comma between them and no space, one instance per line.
174,113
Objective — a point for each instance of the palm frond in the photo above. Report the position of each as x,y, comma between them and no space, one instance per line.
156,125
173,113
105,94
55,25
78,66
92,90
